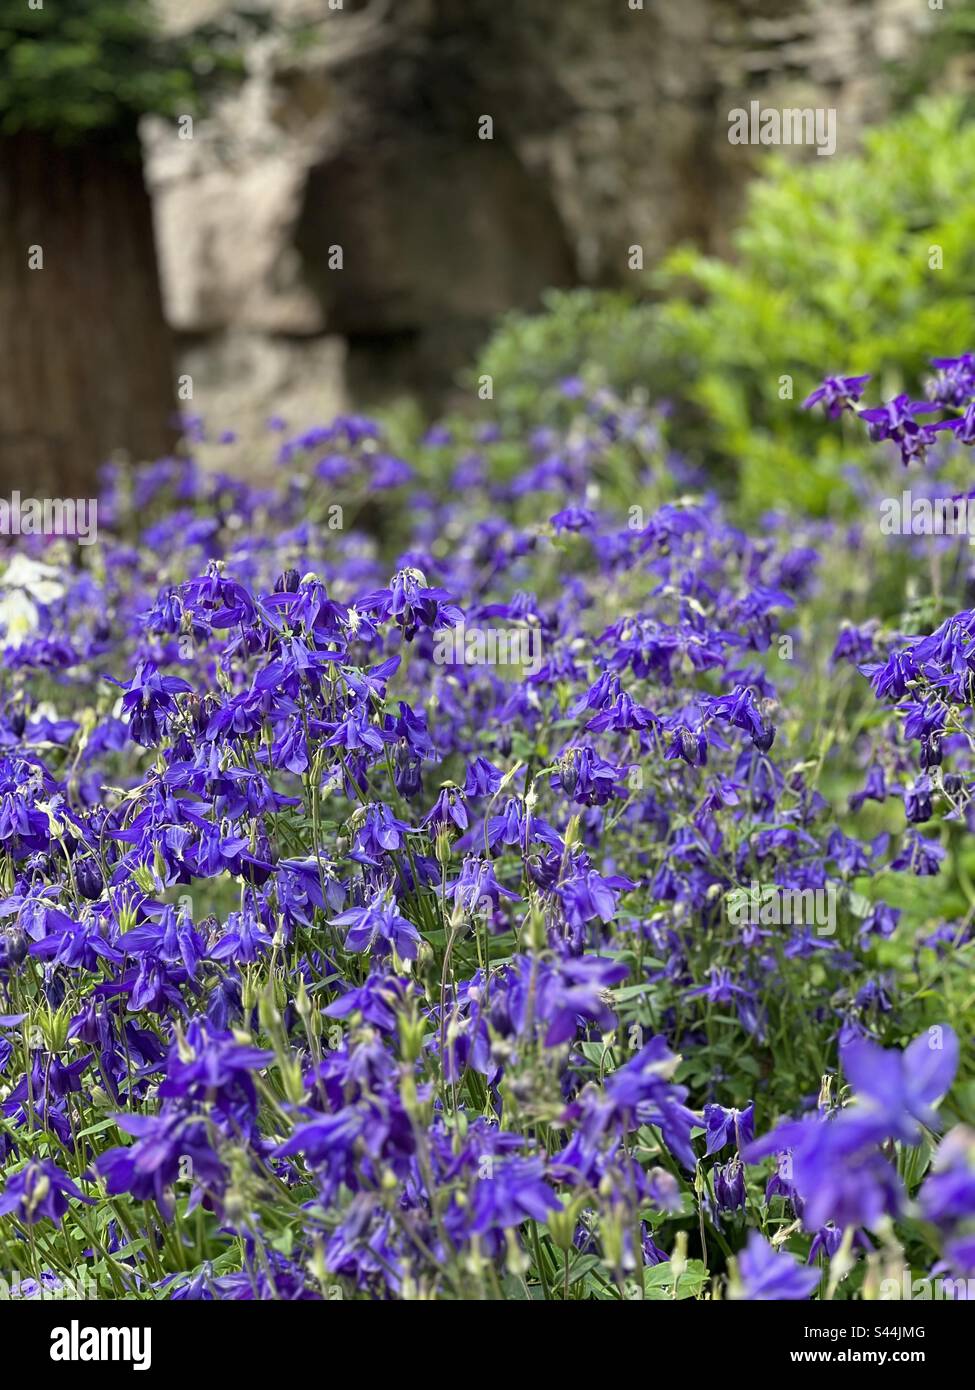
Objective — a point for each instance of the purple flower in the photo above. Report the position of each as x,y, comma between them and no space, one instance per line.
835,1164
898,1090
728,1126
770,1275
578,989
573,519
378,926
449,808
896,421
380,832
483,778
643,1092
38,1192
149,702
837,393
948,1193
739,709
514,1191
588,894
478,886
729,1186
168,1146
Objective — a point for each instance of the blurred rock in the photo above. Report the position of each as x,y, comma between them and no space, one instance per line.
358,128
242,380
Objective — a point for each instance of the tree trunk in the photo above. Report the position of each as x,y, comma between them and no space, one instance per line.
85,353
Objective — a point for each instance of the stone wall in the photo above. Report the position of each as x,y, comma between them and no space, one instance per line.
358,128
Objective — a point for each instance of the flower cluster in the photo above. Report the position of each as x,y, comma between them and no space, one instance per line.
329,969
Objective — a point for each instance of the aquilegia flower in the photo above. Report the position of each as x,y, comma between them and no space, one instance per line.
767,1274
39,1191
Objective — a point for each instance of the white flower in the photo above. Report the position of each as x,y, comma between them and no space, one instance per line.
18,617
41,582
25,584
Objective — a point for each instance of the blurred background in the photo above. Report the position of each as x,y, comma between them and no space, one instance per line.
243,212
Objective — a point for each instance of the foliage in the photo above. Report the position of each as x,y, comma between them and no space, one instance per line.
75,68
348,950
831,267
607,336
944,58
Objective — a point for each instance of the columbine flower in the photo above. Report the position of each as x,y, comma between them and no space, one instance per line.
149,702
838,1171
483,778
39,1192
897,1091
573,519
477,886
728,1126
514,1191
948,1193
837,393
578,989
380,832
449,808
729,1186
767,1274
378,926
588,894
167,1145
896,421
739,709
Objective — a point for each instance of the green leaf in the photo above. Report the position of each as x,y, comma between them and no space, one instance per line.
658,1281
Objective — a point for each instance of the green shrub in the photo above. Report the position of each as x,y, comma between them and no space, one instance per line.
81,67
604,335
834,267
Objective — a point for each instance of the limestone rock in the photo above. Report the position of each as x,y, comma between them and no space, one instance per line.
359,127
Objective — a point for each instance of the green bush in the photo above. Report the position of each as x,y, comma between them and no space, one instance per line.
833,269
604,335
75,68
